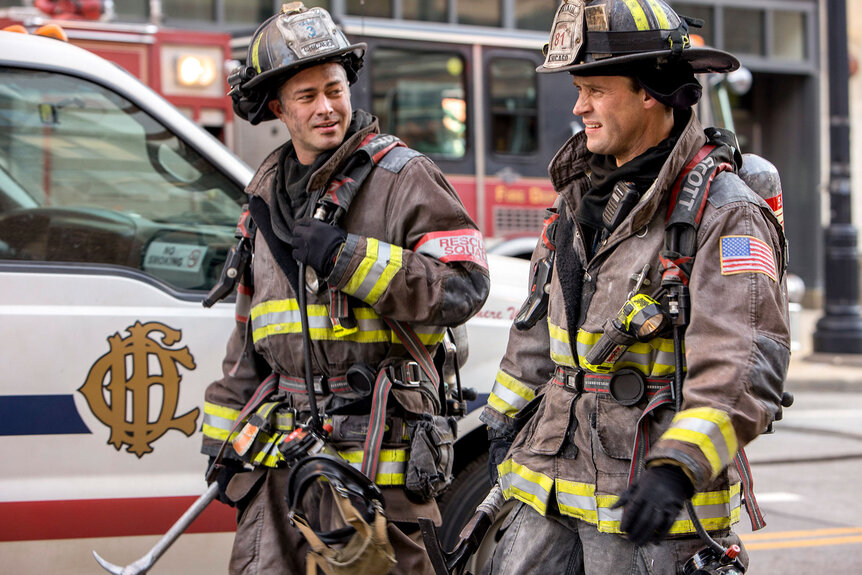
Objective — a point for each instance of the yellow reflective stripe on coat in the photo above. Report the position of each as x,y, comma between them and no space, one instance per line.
281,317
716,509
509,395
653,358
521,483
708,429
218,421
561,350
391,467
375,272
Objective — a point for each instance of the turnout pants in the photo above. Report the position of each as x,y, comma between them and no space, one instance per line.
533,544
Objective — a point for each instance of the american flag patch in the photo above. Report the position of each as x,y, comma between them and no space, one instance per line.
741,254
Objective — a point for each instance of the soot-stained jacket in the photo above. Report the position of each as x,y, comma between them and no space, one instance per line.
578,447
412,255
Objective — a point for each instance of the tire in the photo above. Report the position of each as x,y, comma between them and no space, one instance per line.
458,505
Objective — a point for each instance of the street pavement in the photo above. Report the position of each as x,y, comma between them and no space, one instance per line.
811,371
806,473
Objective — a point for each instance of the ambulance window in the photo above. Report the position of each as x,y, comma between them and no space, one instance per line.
88,177
514,111
418,95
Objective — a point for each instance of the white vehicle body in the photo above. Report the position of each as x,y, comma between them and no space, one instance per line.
105,348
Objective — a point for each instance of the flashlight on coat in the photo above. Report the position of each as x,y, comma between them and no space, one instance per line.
641,318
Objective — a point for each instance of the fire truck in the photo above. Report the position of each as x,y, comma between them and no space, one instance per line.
186,67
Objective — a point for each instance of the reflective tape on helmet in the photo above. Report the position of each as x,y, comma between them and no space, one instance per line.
381,262
709,430
509,395
638,14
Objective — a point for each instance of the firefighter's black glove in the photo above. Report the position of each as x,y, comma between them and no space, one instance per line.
317,244
498,445
652,503
227,468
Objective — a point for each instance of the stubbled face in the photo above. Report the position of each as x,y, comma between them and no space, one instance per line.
315,106
614,113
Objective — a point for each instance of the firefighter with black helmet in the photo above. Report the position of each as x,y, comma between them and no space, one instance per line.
363,257
619,414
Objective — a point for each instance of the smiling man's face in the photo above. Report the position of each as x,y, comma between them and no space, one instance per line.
315,106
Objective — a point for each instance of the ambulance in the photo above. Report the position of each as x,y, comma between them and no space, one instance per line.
116,215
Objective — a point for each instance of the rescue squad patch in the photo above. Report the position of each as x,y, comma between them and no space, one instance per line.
746,254
454,246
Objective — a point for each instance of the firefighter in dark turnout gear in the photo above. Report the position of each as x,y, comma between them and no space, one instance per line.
400,262
582,425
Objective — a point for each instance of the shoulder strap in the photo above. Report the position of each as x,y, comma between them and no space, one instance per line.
687,202
343,187
260,214
339,193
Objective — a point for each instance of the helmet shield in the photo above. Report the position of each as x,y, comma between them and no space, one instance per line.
596,37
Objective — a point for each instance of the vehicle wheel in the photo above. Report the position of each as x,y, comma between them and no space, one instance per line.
458,505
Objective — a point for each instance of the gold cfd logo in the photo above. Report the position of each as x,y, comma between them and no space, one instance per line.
118,387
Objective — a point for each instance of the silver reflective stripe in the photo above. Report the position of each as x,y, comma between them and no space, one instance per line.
503,393
289,317
512,480
374,272
561,351
712,431
217,422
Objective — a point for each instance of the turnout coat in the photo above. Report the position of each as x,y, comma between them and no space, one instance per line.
576,451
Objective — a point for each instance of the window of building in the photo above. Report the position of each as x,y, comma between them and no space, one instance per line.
131,11
203,10
705,13
425,10
248,11
743,31
370,8
788,37
420,97
514,109
487,13
535,14
88,177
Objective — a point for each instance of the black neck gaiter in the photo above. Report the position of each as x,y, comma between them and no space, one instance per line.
640,171
291,197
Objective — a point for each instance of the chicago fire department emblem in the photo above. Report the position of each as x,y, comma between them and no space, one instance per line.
119,387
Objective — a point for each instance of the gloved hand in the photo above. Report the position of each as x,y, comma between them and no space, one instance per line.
227,468
498,445
316,244
653,502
